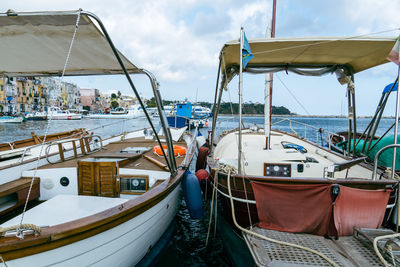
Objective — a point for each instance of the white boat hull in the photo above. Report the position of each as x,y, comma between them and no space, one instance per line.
123,245
115,116
11,120
68,117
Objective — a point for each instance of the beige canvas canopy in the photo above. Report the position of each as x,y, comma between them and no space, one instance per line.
357,53
37,44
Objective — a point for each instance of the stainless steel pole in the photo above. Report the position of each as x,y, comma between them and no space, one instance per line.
396,127
240,103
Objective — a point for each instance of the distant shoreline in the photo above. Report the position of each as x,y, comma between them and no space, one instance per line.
302,116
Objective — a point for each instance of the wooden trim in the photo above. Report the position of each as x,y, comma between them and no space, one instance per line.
87,144
278,164
61,151
38,139
17,185
82,146
74,148
133,176
158,163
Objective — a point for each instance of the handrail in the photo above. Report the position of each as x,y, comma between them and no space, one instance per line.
69,136
317,129
47,150
377,156
304,124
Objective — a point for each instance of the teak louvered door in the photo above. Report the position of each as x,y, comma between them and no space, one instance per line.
97,177
86,179
107,183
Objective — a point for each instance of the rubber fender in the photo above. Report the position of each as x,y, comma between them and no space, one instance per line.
192,195
202,175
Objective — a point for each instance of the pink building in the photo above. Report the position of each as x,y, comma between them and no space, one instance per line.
90,98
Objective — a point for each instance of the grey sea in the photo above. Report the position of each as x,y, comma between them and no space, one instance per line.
187,246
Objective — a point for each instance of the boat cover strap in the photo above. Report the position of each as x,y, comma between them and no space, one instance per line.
300,208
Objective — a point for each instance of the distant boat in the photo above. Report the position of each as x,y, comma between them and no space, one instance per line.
10,119
134,111
118,111
201,112
36,116
55,113
185,116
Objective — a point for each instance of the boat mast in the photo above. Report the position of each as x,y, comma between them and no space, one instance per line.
240,103
268,87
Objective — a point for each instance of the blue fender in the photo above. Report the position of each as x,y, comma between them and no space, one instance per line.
192,195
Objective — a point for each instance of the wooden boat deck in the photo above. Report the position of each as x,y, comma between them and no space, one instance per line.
346,251
134,161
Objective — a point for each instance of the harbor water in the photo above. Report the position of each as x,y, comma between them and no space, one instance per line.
187,246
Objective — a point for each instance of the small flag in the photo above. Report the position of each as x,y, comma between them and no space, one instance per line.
394,54
246,52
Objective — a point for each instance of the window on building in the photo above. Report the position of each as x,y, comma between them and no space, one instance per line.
22,108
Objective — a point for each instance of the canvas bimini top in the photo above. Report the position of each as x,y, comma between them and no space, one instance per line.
37,44
355,54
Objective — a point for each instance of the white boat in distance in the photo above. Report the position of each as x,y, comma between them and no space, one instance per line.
134,111
36,116
55,113
10,119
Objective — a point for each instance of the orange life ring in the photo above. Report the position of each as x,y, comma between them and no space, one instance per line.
178,150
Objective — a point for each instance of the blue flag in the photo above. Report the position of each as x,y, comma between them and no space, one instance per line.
246,52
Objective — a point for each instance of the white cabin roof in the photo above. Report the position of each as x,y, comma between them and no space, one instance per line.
65,208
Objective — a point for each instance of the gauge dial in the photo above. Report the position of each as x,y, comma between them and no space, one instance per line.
135,182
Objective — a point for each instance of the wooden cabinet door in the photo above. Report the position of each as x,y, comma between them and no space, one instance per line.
86,179
106,179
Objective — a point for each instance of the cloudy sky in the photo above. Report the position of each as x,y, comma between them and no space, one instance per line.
179,41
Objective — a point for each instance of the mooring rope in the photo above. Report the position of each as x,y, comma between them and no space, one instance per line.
212,204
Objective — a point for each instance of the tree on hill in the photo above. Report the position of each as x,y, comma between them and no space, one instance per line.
229,108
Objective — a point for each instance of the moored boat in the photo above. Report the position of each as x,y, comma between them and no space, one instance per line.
55,113
100,201
36,116
274,185
134,111
11,119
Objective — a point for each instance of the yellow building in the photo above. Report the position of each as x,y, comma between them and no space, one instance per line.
22,89
2,95
64,96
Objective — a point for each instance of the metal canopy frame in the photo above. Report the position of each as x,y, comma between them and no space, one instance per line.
265,68
171,163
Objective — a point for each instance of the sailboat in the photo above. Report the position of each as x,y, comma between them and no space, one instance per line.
87,200
281,194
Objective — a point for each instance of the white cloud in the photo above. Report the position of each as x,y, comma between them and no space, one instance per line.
373,15
179,41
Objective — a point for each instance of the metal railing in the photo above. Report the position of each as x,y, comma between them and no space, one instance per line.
377,157
316,132
84,145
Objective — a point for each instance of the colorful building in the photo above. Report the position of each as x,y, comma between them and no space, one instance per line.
90,99
2,95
